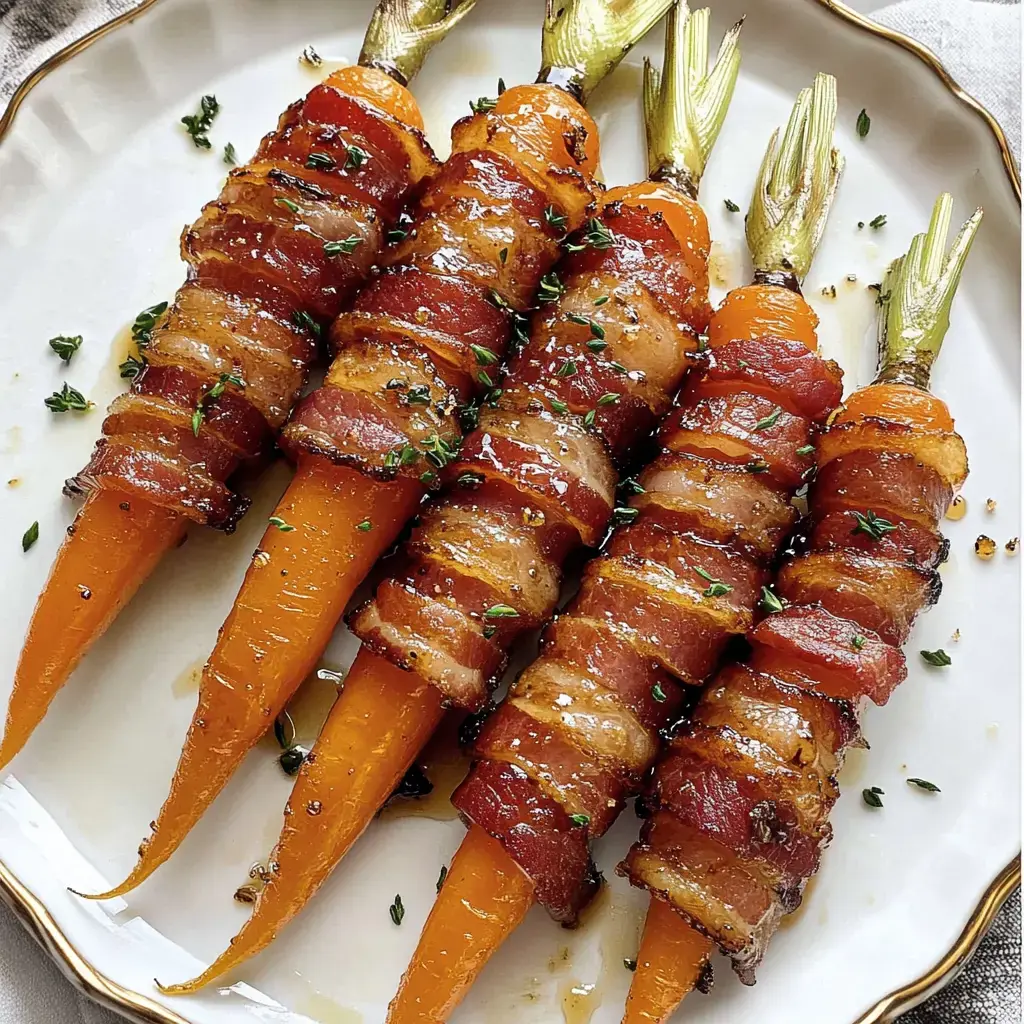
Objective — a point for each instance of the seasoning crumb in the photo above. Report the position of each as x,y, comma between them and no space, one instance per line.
955,638
245,894
990,505
984,547
310,58
852,278
958,509
829,291
1013,546
15,481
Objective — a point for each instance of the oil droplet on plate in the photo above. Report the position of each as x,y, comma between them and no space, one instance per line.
958,509
187,682
326,1011
579,1001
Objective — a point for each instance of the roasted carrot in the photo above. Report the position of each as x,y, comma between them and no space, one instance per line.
669,965
353,767
484,898
224,365
113,545
252,674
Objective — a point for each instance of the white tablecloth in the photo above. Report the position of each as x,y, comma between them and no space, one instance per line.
980,42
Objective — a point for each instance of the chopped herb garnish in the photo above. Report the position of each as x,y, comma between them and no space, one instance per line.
68,399
878,222
320,161
428,478
658,693
484,356
928,787
438,451
609,398
345,245
485,379
588,420
598,234
938,658
756,466
875,527
863,124
770,420
287,204
396,235
483,105
597,346
580,820
397,910
558,405
230,156
629,964
356,158
211,395
501,611
551,288
305,322
873,796
806,449
418,394
630,485
624,514
567,369
489,631
280,524
503,255
618,368
441,877
198,124
145,322
30,536
365,526
731,206
131,368
857,642
595,328
770,601
554,218
66,346
716,588
601,300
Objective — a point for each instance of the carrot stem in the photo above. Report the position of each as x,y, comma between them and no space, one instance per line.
314,554
671,960
115,543
374,731
484,898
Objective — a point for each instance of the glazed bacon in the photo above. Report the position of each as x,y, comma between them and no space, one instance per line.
418,342
741,801
537,477
263,279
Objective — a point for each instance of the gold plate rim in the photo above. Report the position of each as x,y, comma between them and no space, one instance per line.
33,914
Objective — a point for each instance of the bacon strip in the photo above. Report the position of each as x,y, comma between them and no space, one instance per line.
263,279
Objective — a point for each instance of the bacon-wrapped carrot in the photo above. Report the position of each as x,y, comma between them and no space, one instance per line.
741,800
608,347
420,341
280,252
580,727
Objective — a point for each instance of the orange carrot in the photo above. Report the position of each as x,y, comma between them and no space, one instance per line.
338,791
670,962
484,898
321,547
115,543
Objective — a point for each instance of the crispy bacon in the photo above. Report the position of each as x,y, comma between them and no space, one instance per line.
227,363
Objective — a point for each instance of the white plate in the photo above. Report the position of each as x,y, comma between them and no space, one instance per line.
96,179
